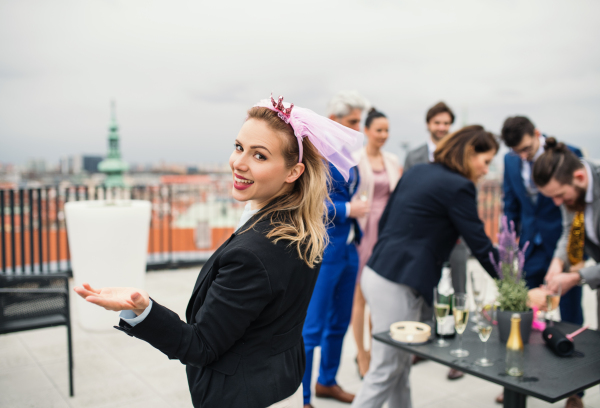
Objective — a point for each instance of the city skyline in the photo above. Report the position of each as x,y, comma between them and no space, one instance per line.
183,75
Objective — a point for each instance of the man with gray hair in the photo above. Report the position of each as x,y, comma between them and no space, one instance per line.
346,108
330,307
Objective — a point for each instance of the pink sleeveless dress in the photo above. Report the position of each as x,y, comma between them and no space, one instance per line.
381,195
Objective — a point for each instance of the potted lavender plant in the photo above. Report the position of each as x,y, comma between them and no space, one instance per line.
512,290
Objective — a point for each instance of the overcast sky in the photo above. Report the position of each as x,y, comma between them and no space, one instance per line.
184,72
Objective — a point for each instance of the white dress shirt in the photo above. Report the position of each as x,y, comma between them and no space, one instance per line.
431,149
526,170
588,216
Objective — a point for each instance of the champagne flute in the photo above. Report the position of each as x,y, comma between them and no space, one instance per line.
460,310
552,302
484,329
441,309
479,286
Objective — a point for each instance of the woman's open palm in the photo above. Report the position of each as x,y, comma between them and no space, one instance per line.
116,298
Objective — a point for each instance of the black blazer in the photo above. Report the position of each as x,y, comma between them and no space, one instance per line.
242,343
429,209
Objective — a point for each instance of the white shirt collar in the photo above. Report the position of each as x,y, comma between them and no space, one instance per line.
430,148
540,150
589,194
246,215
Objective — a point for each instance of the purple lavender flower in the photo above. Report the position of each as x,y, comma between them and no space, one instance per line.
521,256
509,252
497,266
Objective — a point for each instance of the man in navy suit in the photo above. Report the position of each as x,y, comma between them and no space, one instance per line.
330,308
537,219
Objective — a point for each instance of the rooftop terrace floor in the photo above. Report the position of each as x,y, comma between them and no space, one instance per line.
114,370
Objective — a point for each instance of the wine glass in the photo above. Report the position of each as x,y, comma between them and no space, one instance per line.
479,286
441,309
484,329
460,310
552,302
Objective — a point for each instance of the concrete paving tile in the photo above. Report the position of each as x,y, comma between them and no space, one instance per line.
111,390
28,388
88,368
140,356
146,402
168,378
115,340
50,398
15,356
50,344
454,401
179,399
8,340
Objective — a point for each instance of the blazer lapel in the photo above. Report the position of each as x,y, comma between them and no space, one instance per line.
423,155
596,202
517,178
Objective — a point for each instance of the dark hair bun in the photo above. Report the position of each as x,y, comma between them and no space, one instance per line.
555,145
372,115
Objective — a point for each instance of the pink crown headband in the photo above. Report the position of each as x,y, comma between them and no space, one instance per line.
336,143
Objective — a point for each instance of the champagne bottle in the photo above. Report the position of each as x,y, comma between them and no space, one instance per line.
514,348
446,292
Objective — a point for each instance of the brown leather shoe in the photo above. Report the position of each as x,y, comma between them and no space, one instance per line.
308,406
574,401
335,392
416,359
500,398
454,374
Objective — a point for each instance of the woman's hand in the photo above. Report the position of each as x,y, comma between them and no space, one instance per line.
116,299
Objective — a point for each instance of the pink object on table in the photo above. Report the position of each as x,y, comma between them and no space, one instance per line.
537,324
576,332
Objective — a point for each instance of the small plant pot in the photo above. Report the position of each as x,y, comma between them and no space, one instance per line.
504,325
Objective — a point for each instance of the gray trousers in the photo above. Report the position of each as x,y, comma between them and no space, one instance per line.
387,378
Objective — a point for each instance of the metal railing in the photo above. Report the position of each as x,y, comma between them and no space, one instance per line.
188,222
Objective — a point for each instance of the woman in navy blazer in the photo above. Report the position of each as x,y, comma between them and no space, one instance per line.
242,339
430,208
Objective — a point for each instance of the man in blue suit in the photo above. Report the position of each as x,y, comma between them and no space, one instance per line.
330,308
536,218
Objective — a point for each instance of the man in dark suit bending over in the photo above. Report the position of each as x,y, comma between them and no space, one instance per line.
537,219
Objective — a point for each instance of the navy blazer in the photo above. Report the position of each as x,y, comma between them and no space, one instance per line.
539,223
242,343
429,209
340,192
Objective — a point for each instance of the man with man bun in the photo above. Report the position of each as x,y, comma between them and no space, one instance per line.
537,219
574,185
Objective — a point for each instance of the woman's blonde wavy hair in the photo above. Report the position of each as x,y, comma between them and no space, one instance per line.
300,214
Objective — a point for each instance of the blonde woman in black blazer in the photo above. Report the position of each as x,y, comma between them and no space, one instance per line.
242,338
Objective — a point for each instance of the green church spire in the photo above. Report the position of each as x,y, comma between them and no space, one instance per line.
113,166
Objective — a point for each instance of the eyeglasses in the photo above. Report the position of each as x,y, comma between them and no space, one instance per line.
525,150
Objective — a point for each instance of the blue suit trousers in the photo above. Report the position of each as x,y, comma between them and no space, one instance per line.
328,317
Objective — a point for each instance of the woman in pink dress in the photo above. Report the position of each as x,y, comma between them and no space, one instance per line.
379,174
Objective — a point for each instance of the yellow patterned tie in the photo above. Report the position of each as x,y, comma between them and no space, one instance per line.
576,239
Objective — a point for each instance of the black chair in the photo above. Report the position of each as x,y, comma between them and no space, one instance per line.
29,302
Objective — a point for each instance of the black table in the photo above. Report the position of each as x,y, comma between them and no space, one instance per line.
546,376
